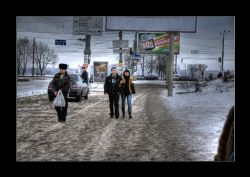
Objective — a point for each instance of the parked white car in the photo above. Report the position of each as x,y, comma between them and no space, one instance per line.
175,76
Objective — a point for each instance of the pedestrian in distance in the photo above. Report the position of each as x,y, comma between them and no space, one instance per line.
84,75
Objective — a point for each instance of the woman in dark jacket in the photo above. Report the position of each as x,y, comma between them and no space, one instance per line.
61,82
127,89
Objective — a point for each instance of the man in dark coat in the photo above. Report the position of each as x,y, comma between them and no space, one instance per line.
219,75
111,87
61,81
84,75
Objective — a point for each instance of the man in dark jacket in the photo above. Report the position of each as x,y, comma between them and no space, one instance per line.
111,87
61,81
84,75
219,75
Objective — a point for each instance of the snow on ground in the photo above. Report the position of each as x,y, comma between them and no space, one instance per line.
38,86
210,106
184,127
96,87
32,87
217,96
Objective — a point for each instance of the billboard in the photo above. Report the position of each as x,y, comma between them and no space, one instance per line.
157,43
100,71
152,23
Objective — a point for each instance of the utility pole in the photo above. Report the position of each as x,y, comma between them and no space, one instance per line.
87,51
170,66
222,56
134,48
120,59
167,68
87,44
33,58
143,66
175,66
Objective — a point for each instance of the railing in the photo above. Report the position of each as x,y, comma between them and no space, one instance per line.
187,84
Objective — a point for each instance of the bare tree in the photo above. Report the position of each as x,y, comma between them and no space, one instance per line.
202,68
197,69
142,61
127,60
151,64
161,67
23,51
18,56
45,56
193,69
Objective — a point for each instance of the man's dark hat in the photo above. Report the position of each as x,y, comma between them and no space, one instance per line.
62,66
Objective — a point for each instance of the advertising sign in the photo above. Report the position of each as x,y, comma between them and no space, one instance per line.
100,71
157,43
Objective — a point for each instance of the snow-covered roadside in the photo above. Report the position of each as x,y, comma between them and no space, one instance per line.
209,100
32,87
211,107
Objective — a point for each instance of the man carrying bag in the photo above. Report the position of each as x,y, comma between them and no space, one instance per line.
60,87
59,101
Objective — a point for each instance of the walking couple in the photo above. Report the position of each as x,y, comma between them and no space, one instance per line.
116,85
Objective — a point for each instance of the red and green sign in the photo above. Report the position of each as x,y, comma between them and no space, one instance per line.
157,43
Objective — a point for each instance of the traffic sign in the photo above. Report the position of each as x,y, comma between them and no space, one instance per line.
121,51
120,44
120,64
86,51
194,51
86,58
88,25
60,42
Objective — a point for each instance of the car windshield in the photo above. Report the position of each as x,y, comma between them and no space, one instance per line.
74,77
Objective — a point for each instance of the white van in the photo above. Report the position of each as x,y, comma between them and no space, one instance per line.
175,76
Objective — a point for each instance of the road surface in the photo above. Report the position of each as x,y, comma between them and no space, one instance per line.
89,134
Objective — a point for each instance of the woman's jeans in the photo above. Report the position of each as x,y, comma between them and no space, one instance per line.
129,99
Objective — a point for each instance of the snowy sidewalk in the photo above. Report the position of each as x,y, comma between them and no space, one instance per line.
184,127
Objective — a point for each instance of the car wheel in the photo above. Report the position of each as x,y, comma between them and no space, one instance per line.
86,97
79,97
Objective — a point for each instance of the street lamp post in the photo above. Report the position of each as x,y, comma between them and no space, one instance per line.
222,56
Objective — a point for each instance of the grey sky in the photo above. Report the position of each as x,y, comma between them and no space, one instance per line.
209,42
206,39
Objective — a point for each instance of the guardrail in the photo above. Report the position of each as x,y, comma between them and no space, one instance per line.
198,84
28,78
